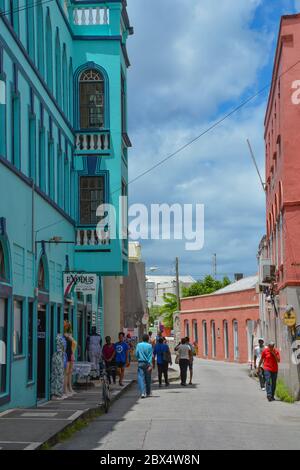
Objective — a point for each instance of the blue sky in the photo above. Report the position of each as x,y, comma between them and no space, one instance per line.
193,61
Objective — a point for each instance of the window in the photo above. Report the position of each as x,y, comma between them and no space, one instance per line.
3,345
32,147
30,342
58,68
123,104
91,92
2,264
195,332
91,197
65,80
18,328
15,130
41,276
14,14
42,168
40,37
30,29
50,167
49,52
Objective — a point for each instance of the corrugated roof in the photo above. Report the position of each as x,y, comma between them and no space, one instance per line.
169,279
243,284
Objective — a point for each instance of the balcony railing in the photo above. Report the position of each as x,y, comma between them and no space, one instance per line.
90,16
91,237
92,141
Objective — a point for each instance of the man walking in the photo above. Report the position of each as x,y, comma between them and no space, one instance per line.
164,358
185,356
144,355
257,357
270,358
193,350
122,357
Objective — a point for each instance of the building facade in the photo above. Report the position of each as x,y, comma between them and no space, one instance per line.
133,298
63,153
280,248
158,286
223,324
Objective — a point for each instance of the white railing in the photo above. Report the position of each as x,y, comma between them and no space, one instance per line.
91,16
90,237
92,141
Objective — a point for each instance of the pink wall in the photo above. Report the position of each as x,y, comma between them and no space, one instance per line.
239,306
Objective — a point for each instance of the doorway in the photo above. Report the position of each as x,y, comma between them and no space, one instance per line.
41,350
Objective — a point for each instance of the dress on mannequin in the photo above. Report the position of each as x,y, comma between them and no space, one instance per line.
57,374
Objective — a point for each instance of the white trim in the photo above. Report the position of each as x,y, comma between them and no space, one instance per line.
219,309
76,415
7,412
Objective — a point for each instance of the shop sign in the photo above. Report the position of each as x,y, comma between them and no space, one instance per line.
84,283
290,318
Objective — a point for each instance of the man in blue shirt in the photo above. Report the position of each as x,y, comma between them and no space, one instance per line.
122,357
144,355
163,354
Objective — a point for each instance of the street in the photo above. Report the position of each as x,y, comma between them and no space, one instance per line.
224,409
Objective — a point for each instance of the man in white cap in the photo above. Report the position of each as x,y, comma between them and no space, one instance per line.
257,357
270,358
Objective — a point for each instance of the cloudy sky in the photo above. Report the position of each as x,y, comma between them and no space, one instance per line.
192,62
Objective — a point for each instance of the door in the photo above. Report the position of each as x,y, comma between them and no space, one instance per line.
80,350
236,340
41,359
226,340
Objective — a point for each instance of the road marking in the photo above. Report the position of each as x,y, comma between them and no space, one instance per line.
39,415
6,412
33,445
76,415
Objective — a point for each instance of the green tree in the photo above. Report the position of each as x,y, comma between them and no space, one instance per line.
208,285
154,313
168,309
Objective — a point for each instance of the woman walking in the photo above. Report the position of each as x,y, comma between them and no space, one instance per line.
185,357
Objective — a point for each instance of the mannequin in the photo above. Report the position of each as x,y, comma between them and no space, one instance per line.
57,375
94,348
70,353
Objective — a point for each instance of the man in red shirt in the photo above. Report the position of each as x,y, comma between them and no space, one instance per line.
270,358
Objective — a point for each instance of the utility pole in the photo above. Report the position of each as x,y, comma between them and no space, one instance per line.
215,266
177,285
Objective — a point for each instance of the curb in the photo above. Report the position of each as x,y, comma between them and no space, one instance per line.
90,413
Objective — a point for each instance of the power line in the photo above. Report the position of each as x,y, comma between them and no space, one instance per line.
24,7
206,131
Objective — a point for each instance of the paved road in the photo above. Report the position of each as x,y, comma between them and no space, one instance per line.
223,410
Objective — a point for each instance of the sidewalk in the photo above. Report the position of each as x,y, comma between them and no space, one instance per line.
31,428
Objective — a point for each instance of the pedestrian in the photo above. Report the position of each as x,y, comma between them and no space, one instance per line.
109,354
185,356
122,357
258,350
162,352
152,339
270,359
130,346
94,348
192,359
144,355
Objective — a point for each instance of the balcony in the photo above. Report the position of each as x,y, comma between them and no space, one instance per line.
92,142
89,238
96,252
90,16
93,18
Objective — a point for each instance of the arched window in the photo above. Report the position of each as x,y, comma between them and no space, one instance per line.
40,37
65,80
205,339
236,340
30,30
3,276
49,52
213,340
58,68
71,117
91,93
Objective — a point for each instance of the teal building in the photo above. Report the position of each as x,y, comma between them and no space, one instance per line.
63,153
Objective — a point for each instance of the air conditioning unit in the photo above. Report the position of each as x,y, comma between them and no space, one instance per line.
268,273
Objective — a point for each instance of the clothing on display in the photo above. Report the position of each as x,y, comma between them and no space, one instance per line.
57,374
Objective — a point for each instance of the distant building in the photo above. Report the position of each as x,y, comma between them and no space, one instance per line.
157,286
134,313
279,250
223,323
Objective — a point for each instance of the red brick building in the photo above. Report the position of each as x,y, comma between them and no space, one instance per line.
281,246
223,323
